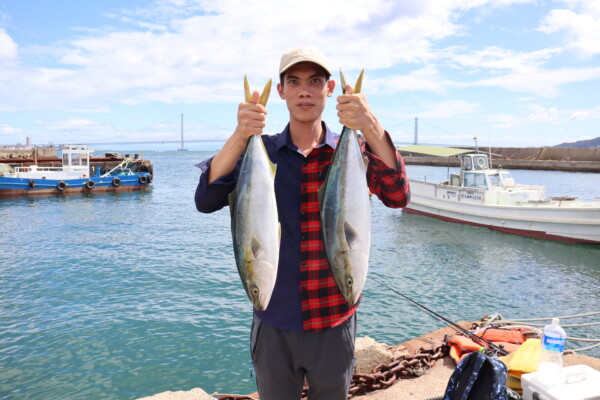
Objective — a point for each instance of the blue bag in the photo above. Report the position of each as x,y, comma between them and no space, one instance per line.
478,377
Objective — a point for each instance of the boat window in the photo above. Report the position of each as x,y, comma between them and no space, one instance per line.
467,162
474,180
495,180
65,158
76,159
480,162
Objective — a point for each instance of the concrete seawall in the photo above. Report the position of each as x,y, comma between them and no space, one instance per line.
535,158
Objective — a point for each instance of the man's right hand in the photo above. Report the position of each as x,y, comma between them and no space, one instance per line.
251,119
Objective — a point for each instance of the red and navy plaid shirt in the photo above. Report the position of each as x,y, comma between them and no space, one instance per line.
305,295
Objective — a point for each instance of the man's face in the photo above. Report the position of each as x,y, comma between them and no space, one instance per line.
305,89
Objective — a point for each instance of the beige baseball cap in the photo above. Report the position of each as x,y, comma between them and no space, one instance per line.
303,54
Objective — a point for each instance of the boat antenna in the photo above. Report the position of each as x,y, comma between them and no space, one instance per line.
476,147
457,327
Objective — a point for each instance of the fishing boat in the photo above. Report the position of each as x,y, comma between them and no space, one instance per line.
489,197
76,174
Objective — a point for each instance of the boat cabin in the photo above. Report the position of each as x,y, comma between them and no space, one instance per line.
476,173
75,165
76,158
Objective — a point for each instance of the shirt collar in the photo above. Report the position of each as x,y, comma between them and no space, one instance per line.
285,139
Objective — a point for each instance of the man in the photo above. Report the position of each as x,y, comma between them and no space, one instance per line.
308,329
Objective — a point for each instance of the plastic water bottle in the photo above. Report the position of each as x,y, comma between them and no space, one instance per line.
553,346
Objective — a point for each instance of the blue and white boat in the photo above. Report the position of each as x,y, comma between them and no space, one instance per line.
75,175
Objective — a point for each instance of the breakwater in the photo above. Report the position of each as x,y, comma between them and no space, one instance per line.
533,158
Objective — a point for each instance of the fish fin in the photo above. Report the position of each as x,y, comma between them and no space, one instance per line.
358,86
350,234
256,246
231,199
247,94
321,192
272,165
343,80
264,97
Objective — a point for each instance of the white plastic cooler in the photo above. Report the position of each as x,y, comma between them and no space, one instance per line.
578,382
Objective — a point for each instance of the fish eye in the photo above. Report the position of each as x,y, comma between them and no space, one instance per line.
255,291
349,282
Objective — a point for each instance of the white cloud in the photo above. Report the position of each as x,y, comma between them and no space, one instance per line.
582,115
427,78
542,114
8,47
545,83
7,129
187,49
449,109
496,59
579,23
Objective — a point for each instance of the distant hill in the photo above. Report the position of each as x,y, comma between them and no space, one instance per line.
581,143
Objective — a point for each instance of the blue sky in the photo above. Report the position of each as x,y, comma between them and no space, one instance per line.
511,72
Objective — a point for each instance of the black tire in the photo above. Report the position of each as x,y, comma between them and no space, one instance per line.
32,183
143,179
104,170
61,185
90,184
116,182
143,168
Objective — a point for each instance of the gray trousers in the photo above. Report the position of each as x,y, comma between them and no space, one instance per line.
283,359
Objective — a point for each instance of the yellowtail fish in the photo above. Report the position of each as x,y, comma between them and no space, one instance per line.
254,222
346,213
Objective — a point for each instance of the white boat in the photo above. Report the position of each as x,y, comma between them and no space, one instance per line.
487,197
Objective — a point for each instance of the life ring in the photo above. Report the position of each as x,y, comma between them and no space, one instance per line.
90,184
143,179
116,181
61,185
481,162
32,183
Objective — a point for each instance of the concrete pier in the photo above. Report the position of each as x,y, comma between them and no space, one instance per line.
534,158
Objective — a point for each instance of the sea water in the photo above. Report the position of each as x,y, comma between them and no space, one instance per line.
125,295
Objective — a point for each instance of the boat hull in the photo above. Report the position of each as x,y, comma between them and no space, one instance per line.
14,187
564,221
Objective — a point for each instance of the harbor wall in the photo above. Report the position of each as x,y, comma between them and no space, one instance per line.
18,154
534,158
